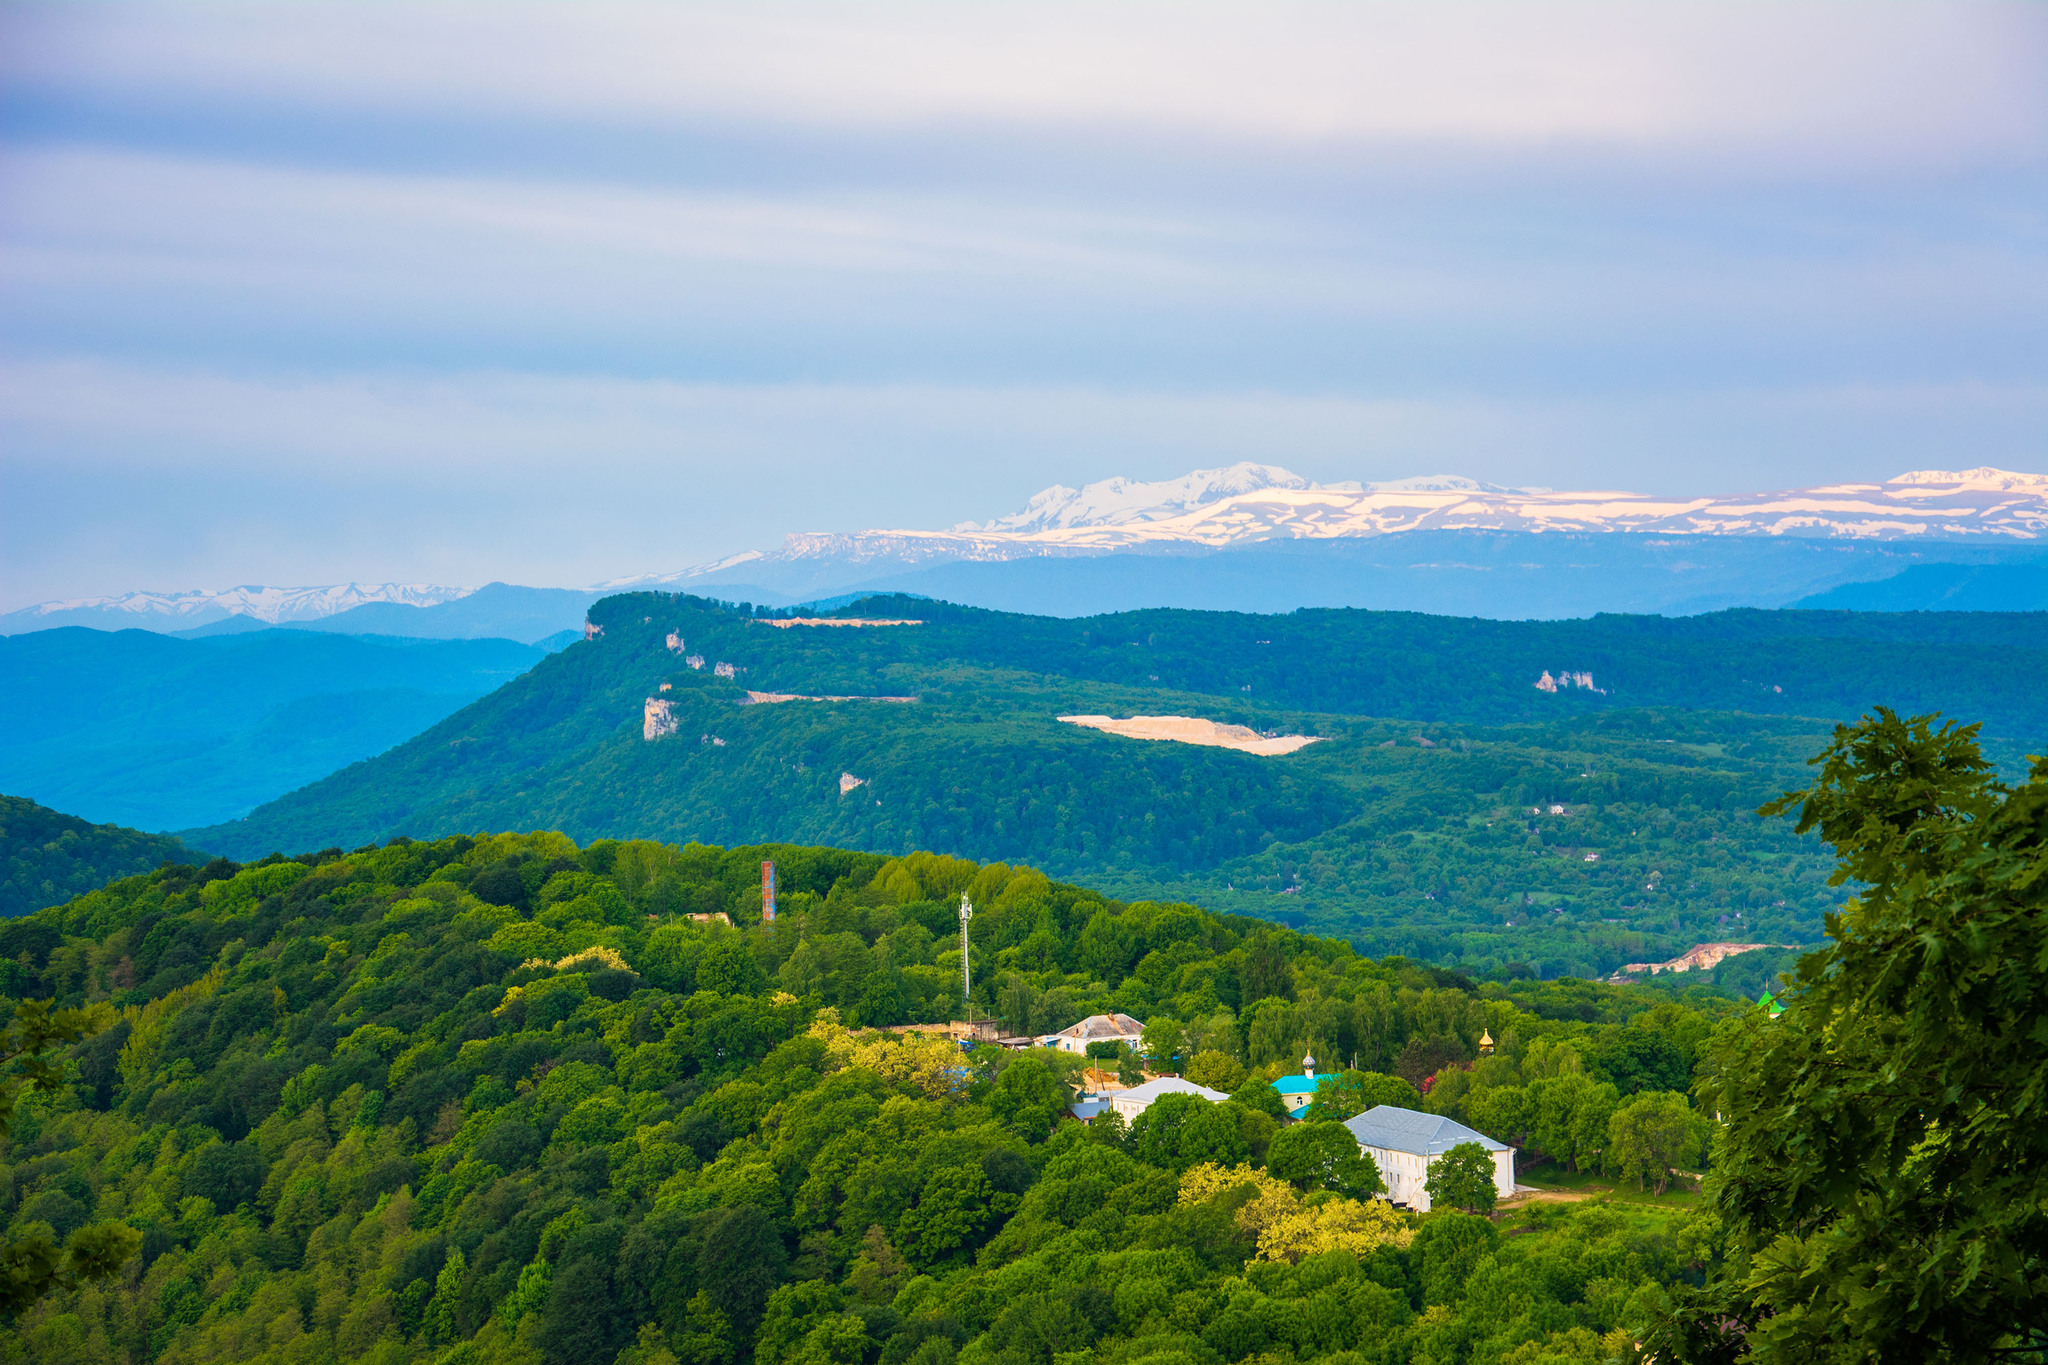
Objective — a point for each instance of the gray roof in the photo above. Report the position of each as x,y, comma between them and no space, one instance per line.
1170,1085
1102,1027
1410,1130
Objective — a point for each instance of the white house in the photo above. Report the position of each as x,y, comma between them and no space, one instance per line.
1135,1101
1404,1142
1096,1028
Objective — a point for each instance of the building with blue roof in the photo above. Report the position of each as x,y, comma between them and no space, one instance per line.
1404,1143
1299,1092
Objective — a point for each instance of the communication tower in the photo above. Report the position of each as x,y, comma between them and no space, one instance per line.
767,893
966,971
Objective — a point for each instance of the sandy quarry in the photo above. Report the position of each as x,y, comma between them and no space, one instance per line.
1189,730
785,622
771,698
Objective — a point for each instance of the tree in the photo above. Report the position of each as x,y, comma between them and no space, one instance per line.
1260,1095
951,1214
1567,1116
1462,1178
727,967
1447,1247
1501,1112
1352,1093
1322,1155
1648,1135
1217,1070
1883,1172
1267,970
31,1264
1179,1131
879,1270
1165,1043
1028,1097
739,1260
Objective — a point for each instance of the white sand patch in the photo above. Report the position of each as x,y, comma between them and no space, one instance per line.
784,623
775,698
1190,730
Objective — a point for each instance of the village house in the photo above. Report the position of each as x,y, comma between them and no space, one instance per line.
1135,1101
1404,1143
1096,1028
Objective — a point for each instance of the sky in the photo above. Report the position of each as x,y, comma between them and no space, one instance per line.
552,294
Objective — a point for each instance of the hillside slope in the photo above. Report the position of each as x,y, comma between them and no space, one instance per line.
47,858
1410,829
484,1101
1944,587
144,730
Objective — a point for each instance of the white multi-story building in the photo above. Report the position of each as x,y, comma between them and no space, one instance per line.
1404,1143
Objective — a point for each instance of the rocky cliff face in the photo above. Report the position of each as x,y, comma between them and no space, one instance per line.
656,720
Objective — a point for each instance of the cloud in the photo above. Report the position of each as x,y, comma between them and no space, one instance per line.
207,261
557,293
1879,81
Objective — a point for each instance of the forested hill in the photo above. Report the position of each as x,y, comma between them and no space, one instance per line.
498,1100
46,857
1422,825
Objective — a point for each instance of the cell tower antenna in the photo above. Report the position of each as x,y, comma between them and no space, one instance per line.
966,970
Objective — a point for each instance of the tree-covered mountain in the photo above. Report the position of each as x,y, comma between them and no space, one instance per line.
1454,810
161,733
47,858
2013,587
499,1100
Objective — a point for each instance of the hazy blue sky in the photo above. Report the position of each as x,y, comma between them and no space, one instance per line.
300,294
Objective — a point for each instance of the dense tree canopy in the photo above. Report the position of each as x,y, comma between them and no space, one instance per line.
1452,812
500,1099
46,857
1884,1169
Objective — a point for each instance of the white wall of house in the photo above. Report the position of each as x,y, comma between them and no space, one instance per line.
1406,1175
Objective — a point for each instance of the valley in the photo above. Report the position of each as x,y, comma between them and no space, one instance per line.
154,732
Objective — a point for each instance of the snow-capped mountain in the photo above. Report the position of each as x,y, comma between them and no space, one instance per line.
203,606
1120,501
1967,514
1215,508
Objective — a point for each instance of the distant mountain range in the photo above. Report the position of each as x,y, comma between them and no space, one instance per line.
1251,502
1260,538
417,611
1256,537
173,611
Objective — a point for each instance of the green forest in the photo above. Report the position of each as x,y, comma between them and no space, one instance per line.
46,858
501,1099
505,1098
1422,826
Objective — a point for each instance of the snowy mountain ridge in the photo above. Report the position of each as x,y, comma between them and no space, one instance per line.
1214,508
203,606
1211,509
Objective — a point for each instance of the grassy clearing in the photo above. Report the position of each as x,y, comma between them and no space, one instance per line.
1683,1193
